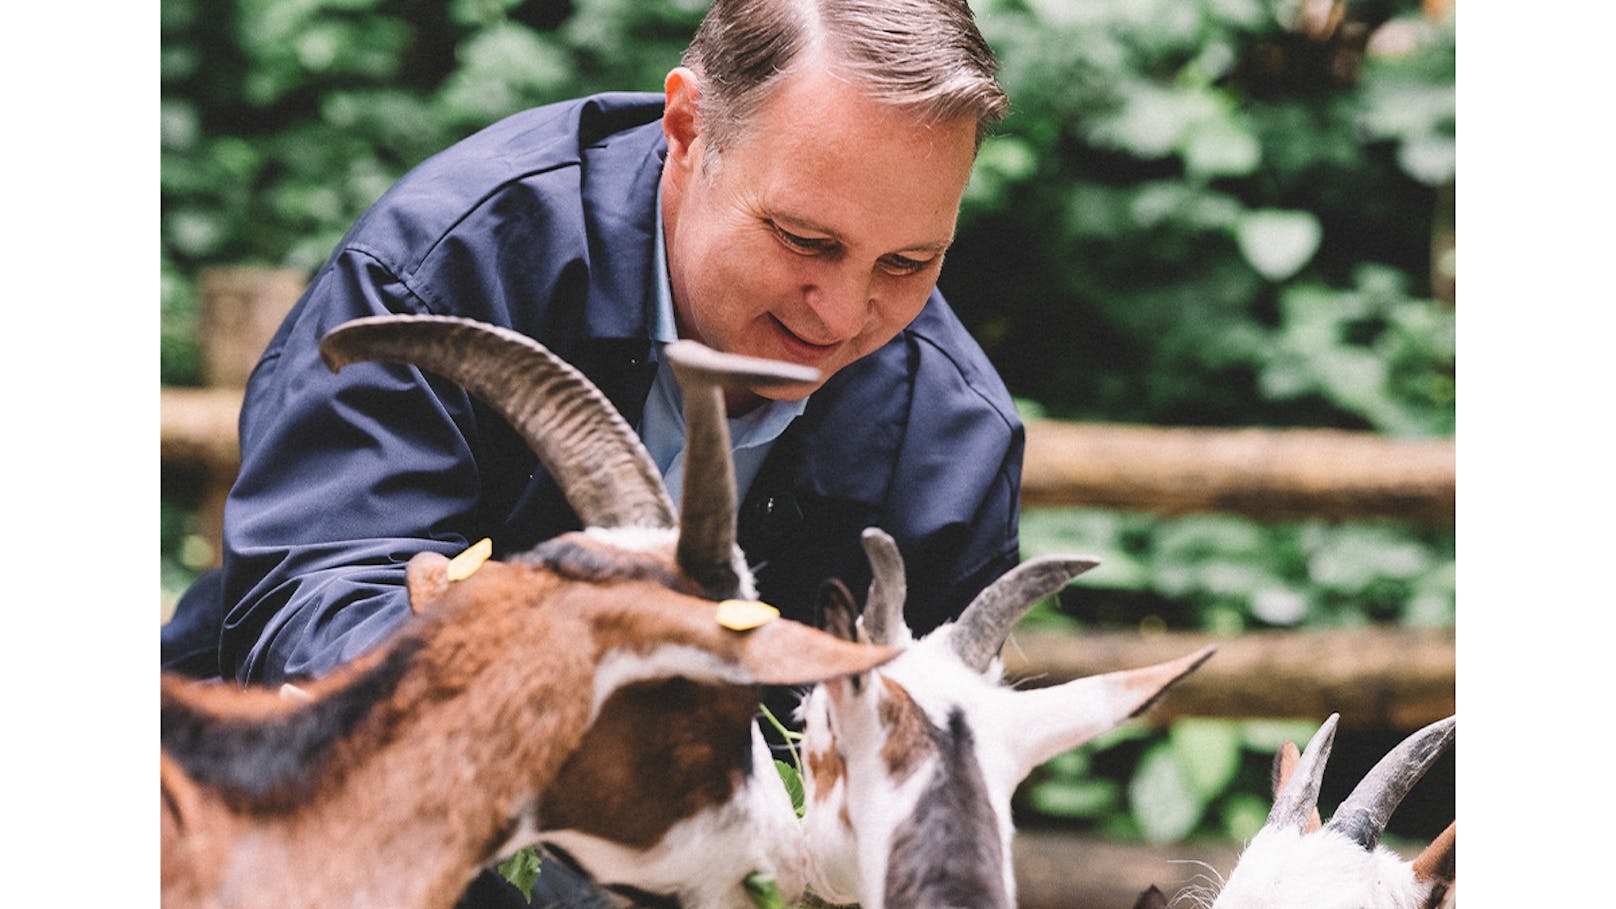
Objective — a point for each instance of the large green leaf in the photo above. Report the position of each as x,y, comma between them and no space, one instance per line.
521,869
1208,753
1163,799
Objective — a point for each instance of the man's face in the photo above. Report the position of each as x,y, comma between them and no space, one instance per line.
820,234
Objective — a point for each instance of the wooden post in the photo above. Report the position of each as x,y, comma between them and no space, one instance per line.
241,308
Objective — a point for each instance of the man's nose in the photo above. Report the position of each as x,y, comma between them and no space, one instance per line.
841,303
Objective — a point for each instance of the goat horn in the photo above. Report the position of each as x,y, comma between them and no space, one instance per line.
594,455
985,625
707,551
1285,765
1363,816
1293,806
883,608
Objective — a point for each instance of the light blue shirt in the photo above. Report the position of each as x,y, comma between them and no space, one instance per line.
662,424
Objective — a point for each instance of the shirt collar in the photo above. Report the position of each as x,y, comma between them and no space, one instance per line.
664,329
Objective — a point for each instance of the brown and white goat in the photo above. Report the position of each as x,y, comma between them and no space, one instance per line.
1295,860
910,768
506,711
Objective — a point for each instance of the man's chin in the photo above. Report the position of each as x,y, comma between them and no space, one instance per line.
742,401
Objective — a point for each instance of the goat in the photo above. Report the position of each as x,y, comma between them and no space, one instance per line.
1295,860
910,768
501,714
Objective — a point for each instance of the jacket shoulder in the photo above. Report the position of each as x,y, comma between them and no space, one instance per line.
439,194
947,360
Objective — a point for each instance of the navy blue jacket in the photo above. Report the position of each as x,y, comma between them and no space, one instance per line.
544,223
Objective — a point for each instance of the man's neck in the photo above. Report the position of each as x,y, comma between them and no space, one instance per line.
738,402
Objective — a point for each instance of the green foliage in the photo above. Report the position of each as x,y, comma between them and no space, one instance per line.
792,777
522,870
184,552
762,890
1177,179
282,121
1227,574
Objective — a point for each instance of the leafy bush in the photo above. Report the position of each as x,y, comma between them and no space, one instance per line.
1197,213
1203,214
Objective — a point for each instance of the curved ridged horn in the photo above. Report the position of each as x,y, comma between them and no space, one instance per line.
889,589
985,625
592,453
1293,806
1363,816
707,508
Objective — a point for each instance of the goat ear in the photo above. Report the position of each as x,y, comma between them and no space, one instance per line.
1049,721
784,652
837,611
1437,865
426,578
1438,861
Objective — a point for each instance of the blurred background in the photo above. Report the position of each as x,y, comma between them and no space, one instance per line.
1200,214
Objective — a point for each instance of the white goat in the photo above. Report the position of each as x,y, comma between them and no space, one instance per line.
513,709
1294,860
910,768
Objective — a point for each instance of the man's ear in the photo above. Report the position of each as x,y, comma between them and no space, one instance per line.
680,121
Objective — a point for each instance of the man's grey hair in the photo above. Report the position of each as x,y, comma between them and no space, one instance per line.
922,55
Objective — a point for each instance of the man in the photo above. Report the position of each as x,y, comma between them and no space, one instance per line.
790,195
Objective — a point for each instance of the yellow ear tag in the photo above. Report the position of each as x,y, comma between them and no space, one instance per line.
744,615
466,564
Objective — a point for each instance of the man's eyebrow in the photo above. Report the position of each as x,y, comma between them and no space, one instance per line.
783,221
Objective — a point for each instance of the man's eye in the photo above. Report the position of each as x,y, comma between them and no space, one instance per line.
803,244
902,265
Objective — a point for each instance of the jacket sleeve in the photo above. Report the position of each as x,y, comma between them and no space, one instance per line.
344,477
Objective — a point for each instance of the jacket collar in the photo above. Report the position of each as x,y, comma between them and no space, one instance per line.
614,350
621,177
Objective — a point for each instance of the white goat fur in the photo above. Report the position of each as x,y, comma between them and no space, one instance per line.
1320,870
1299,862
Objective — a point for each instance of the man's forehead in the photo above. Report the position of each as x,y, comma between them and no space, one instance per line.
820,154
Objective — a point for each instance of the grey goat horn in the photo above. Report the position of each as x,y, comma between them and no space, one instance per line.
1293,806
593,454
1363,816
985,624
883,608
707,509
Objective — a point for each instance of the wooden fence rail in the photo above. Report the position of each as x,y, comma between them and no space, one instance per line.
1266,474
1378,677
1259,473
